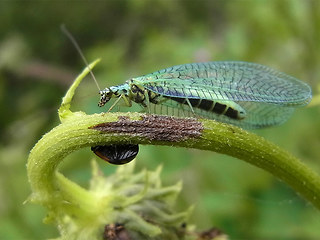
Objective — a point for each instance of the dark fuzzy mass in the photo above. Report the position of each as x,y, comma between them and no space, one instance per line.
155,127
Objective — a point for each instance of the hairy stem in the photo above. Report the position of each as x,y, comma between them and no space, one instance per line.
118,128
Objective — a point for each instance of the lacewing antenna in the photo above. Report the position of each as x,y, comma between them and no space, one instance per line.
76,45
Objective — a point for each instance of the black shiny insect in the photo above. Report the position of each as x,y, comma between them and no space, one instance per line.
116,154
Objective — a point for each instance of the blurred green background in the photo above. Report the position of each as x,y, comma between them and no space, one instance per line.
38,63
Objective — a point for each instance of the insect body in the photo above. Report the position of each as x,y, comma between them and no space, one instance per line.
116,154
245,94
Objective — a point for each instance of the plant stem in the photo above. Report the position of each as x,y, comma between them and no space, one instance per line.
82,130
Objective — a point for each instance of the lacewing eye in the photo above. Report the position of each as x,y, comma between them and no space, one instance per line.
116,154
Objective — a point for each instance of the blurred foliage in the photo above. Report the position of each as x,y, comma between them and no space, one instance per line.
37,63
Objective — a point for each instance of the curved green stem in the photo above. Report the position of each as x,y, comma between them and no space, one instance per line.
103,129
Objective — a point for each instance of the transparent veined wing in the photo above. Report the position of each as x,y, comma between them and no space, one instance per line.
234,81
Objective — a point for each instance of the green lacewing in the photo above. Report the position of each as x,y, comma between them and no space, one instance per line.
245,94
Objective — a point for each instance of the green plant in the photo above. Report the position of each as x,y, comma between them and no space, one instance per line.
81,213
